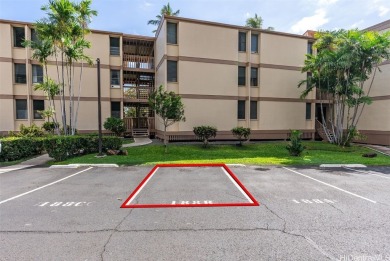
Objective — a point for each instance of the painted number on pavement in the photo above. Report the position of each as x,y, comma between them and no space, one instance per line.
63,204
315,201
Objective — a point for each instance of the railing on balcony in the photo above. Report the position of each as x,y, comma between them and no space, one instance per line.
323,96
132,123
138,62
137,92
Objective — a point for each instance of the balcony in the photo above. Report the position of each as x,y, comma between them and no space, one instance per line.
138,62
137,93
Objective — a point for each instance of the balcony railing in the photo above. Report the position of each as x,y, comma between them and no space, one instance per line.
139,123
140,93
138,62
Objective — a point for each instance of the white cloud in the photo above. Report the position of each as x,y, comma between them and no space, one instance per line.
326,2
146,5
311,22
383,10
356,25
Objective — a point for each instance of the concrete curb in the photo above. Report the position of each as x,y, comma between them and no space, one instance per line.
342,165
73,166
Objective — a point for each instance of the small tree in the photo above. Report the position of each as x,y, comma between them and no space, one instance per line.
169,107
205,133
241,132
295,146
115,125
343,72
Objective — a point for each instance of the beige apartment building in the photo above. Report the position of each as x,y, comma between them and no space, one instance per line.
227,76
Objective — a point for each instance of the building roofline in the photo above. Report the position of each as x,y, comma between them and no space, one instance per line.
243,28
132,36
379,27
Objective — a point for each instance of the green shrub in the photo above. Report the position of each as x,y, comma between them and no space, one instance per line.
241,132
295,146
49,126
63,147
204,133
115,125
32,131
15,148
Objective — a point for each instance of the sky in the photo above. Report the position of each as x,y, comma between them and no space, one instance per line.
291,16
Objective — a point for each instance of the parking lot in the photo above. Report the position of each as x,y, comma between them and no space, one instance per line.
304,213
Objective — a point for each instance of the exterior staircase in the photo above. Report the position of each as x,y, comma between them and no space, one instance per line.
140,133
328,136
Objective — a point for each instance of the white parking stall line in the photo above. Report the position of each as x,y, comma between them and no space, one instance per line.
330,185
237,186
31,191
366,172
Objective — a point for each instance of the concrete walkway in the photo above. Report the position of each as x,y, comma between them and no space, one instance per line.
138,142
385,150
37,161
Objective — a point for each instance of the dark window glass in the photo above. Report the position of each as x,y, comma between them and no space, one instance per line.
116,109
241,76
20,73
254,78
241,41
37,73
253,110
114,46
172,71
308,111
115,77
34,36
171,33
21,109
310,48
241,110
18,36
308,78
38,105
254,43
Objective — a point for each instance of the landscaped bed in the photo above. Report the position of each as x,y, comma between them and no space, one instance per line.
267,153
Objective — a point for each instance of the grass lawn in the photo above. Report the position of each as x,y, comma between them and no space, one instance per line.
9,163
127,141
268,153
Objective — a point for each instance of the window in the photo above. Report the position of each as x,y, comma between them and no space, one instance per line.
172,71
253,110
308,111
38,105
114,46
254,79
18,36
254,43
20,73
115,77
310,48
37,73
308,79
21,109
242,42
241,75
241,110
116,109
34,36
171,33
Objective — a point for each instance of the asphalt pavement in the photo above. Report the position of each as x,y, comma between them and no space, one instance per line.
305,213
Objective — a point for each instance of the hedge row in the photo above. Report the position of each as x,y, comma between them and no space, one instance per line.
58,147
63,147
14,148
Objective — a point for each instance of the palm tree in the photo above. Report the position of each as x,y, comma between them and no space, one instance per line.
165,10
257,22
